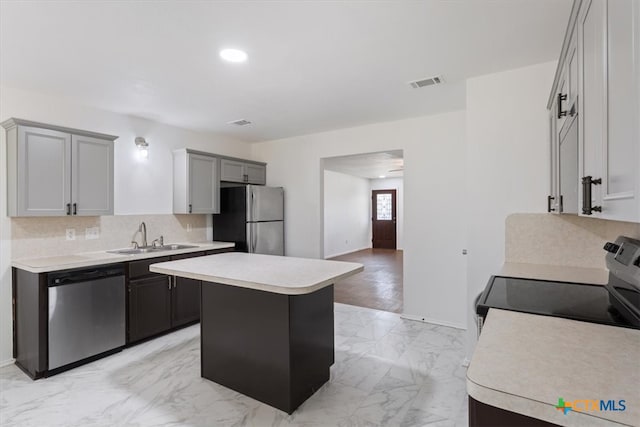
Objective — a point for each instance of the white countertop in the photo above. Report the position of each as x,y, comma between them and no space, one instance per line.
558,273
88,259
523,363
278,274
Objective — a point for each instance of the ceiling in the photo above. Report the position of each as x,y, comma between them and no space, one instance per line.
389,164
313,65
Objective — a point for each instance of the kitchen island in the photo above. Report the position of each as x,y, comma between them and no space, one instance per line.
266,322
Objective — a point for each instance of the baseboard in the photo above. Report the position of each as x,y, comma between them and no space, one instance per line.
347,252
7,362
434,321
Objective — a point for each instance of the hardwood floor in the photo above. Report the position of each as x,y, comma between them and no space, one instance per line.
379,286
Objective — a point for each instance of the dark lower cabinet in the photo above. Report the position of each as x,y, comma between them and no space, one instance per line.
30,322
185,301
159,303
483,415
149,307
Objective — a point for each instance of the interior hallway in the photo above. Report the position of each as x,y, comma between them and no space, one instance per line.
379,286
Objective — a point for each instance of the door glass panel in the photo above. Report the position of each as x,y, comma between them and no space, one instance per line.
383,207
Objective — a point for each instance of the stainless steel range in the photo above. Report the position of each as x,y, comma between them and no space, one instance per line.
623,262
617,303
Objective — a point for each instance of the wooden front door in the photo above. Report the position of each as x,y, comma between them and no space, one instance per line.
383,219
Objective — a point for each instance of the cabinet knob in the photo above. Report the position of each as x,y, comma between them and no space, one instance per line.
68,208
75,209
549,208
190,208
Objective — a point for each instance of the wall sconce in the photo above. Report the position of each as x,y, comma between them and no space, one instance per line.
143,147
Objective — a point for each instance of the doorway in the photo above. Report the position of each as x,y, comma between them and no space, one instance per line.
383,219
352,187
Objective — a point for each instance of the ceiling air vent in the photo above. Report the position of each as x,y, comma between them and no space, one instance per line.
241,122
417,84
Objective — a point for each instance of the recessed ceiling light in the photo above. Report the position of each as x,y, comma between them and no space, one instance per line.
233,55
382,176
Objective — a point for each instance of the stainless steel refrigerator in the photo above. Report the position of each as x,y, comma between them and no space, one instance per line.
252,216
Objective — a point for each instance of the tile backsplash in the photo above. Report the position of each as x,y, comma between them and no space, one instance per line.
46,236
567,240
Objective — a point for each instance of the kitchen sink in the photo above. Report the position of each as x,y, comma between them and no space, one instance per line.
174,247
150,249
131,251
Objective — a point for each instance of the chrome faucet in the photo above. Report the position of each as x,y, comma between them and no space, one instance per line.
142,229
159,242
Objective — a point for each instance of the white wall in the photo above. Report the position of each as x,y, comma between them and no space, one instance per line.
347,213
507,163
140,187
434,153
398,185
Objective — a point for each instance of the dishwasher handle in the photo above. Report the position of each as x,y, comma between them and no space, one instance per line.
79,276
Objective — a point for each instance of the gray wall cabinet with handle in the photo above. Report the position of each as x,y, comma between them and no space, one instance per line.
232,170
58,171
599,74
196,183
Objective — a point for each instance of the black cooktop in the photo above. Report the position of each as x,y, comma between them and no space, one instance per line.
576,301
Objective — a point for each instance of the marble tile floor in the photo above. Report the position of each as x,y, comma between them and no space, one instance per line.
388,372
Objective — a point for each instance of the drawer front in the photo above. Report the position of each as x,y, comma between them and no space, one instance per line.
219,251
141,268
185,256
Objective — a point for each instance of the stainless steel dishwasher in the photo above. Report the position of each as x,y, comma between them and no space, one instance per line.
86,314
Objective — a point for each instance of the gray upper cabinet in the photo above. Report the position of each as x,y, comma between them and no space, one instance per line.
621,163
598,79
232,170
563,135
593,121
56,171
553,199
568,158
196,183
256,174
92,177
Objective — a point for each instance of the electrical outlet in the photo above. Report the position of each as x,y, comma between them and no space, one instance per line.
92,233
188,228
71,234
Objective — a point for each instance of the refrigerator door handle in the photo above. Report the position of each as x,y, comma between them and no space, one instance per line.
253,205
254,238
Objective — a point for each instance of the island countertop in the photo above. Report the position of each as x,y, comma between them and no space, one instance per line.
523,363
277,274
